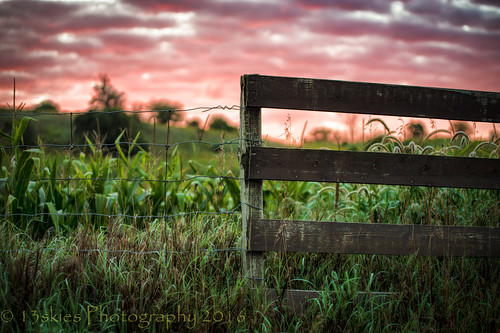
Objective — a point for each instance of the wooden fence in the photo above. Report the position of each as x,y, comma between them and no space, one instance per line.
258,163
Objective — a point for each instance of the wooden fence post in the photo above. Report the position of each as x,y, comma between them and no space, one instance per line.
251,190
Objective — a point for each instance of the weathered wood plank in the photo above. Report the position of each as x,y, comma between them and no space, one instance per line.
251,190
368,238
373,168
297,300
371,98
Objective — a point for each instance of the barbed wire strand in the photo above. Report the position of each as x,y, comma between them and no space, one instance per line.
199,108
118,179
216,145
199,212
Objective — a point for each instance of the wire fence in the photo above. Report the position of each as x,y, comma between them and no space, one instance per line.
159,252
71,176
198,108
215,145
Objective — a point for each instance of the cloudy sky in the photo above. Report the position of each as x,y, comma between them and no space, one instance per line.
194,51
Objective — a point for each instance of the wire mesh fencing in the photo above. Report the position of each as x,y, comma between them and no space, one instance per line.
60,170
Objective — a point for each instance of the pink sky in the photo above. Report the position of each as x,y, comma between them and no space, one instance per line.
194,52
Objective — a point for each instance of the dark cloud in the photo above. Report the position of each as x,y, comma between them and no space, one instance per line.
23,60
247,13
89,22
27,10
493,3
471,16
410,32
41,16
48,17
171,5
35,33
378,6
120,41
195,51
410,29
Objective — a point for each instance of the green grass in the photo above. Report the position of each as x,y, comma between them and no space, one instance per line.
430,293
71,289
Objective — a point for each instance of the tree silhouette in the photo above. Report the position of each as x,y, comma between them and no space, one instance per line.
351,120
105,127
460,126
196,123
106,97
46,106
166,111
416,130
321,134
220,123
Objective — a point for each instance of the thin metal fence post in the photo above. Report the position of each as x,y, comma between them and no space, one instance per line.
167,145
71,147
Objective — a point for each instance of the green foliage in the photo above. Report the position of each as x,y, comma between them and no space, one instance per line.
380,121
128,184
106,97
8,125
46,106
220,123
194,123
105,128
167,111
427,293
416,130
459,145
321,133
148,201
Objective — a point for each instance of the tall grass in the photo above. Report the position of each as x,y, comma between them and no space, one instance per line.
96,242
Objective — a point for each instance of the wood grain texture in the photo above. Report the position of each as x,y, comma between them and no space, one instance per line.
297,300
250,190
373,168
368,238
371,98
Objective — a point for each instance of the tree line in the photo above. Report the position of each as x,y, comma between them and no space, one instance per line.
105,127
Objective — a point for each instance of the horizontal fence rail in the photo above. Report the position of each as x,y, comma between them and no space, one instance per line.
369,238
370,98
373,168
297,299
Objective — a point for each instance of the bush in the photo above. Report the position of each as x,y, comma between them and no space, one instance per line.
220,123
105,128
30,135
